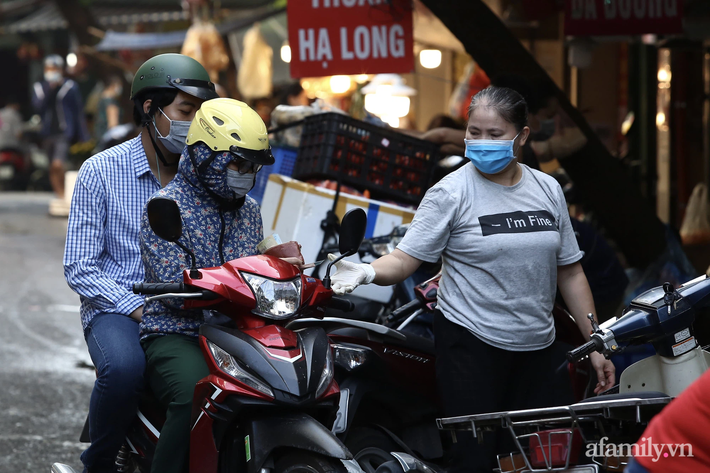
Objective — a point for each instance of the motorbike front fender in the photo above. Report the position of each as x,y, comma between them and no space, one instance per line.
295,431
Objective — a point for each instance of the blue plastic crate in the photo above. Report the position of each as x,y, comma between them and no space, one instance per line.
285,157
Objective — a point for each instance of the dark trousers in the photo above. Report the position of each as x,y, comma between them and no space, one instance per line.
474,378
174,364
116,352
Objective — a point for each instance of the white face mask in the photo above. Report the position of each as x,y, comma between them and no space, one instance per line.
240,183
175,141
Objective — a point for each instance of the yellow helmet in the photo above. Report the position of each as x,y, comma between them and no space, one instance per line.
230,125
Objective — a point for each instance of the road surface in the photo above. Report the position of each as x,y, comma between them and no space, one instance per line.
45,370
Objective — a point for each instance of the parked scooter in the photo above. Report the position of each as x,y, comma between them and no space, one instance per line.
560,438
271,391
15,169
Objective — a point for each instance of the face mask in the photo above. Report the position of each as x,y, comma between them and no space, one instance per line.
547,129
175,141
490,156
240,183
52,76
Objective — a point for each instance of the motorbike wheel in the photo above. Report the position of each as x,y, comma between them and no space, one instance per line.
370,447
307,462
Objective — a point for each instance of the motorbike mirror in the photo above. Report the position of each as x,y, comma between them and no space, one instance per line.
164,218
352,231
166,222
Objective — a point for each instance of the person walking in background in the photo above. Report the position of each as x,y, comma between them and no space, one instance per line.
58,102
108,113
293,94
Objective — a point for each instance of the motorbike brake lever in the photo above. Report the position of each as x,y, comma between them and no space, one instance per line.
595,325
189,295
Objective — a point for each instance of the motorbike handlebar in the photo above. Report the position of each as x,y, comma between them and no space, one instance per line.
158,288
404,311
341,304
579,353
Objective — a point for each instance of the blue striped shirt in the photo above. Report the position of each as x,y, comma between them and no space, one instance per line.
102,257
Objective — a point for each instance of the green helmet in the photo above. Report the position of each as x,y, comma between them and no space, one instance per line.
167,71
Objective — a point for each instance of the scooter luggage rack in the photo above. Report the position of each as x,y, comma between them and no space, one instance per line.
575,416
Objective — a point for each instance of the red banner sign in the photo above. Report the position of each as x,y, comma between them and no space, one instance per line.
330,37
623,17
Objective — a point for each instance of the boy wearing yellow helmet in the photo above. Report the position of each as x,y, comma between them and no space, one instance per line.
227,144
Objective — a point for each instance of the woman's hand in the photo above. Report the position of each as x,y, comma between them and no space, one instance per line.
450,139
575,291
606,372
298,262
349,275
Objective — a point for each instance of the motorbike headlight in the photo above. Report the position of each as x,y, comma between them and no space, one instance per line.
349,357
275,299
327,376
229,365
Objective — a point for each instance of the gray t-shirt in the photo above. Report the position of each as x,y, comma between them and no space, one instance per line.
500,247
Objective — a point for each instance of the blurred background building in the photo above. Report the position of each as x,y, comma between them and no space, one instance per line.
642,85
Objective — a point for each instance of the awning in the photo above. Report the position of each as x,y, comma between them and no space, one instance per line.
115,40
49,18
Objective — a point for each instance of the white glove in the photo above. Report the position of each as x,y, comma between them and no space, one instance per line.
349,275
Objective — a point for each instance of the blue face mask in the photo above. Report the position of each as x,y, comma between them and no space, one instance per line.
490,156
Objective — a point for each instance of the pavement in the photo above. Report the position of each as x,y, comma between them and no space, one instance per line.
45,370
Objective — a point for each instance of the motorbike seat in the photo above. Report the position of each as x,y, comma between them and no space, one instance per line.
150,407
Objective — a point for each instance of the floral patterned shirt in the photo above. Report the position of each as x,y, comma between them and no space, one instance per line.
205,219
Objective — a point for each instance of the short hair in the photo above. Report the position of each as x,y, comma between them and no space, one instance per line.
54,60
160,98
509,104
291,90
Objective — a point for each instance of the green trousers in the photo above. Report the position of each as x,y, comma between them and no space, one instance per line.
174,364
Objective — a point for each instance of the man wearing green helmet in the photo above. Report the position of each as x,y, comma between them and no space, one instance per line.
102,257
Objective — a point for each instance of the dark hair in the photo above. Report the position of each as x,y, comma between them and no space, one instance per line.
113,79
160,98
509,104
291,90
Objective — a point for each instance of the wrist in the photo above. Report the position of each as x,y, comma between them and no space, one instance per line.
369,273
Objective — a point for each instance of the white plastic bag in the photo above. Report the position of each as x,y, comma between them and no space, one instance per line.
254,76
204,44
696,223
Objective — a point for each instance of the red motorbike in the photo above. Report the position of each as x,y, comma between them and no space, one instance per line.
15,169
270,397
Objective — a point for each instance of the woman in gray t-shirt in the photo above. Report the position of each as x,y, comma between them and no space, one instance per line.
506,243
